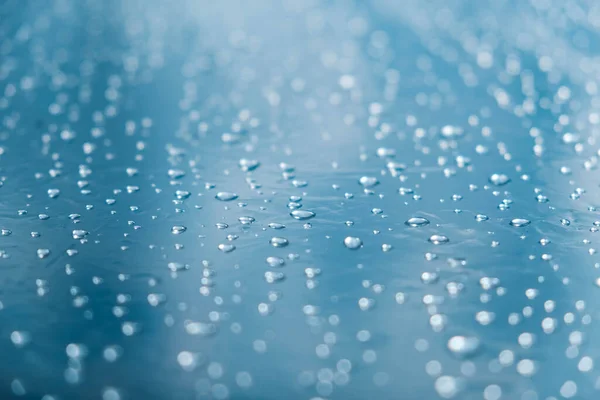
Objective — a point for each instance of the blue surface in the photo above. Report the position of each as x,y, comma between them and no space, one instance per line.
123,276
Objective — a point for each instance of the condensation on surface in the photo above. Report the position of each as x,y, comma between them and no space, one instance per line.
299,199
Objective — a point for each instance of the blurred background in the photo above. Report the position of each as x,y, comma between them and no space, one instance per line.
299,199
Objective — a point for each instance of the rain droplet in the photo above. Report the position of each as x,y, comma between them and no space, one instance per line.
275,261
79,234
176,266
274,276
439,239
249,165
520,222
275,225
226,196
499,179
302,214
246,220
226,248
463,346
178,229
279,241
176,173
43,253
417,222
352,242
368,181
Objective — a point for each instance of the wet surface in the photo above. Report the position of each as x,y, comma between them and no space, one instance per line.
304,200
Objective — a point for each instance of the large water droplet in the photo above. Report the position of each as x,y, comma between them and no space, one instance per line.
352,242
416,222
439,239
302,214
275,261
178,229
499,179
43,253
279,241
248,165
226,247
368,181
274,276
226,196
463,346
519,222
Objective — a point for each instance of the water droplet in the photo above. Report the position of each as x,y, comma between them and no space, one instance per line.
439,239
178,229
199,328
499,179
463,346
246,220
368,181
176,266
275,225
279,241
226,196
274,276
302,214
352,242
275,261
520,222
79,234
452,132
43,253
248,165
176,173
226,248
417,222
